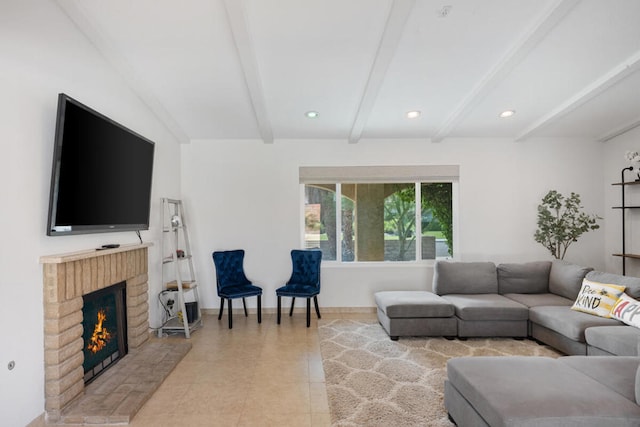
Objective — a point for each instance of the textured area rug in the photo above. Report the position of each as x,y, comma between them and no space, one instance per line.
373,381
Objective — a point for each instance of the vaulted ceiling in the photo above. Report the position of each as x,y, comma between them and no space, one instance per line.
245,69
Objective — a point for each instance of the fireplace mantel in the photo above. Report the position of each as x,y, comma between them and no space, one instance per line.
89,253
67,277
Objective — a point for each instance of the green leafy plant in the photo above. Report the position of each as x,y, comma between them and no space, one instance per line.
437,197
400,217
561,221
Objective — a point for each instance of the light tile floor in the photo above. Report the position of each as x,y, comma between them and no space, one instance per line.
251,375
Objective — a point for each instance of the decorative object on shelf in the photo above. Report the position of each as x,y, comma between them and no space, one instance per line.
634,158
561,222
176,221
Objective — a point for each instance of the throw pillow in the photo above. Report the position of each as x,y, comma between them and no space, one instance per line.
597,298
627,310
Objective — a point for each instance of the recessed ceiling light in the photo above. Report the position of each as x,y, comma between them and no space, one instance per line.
311,114
507,113
413,114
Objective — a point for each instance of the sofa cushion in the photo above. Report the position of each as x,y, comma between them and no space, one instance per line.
632,283
566,279
450,277
413,304
627,310
567,322
524,278
534,300
597,298
537,391
619,340
618,373
487,307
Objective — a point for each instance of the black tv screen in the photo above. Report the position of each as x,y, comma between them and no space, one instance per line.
101,177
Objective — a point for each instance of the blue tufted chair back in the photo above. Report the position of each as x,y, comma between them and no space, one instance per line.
229,268
306,267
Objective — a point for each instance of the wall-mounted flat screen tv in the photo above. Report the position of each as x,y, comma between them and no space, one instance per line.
101,176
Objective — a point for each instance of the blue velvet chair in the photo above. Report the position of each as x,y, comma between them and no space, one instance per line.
304,281
232,282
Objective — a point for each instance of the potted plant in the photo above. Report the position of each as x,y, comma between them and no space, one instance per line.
561,221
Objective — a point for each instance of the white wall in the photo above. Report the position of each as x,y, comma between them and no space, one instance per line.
245,194
614,162
42,54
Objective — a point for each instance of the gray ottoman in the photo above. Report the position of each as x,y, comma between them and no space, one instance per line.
415,313
523,391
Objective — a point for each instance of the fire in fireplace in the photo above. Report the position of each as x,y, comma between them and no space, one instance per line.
105,329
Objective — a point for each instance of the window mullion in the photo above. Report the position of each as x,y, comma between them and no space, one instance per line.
418,221
339,236
303,240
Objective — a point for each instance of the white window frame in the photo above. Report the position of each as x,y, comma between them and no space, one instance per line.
419,175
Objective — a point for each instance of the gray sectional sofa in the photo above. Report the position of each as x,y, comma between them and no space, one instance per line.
526,300
481,299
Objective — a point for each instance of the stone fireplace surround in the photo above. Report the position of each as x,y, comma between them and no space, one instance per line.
67,277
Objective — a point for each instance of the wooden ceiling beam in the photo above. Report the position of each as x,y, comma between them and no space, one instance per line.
595,88
619,130
394,28
236,17
104,46
501,69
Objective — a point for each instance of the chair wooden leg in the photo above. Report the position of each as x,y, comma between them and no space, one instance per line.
315,301
279,304
221,308
308,312
293,301
244,304
259,308
230,311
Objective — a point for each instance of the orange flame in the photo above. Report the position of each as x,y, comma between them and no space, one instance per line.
100,336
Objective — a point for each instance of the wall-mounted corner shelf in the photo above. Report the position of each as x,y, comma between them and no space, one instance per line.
627,183
628,255
623,207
